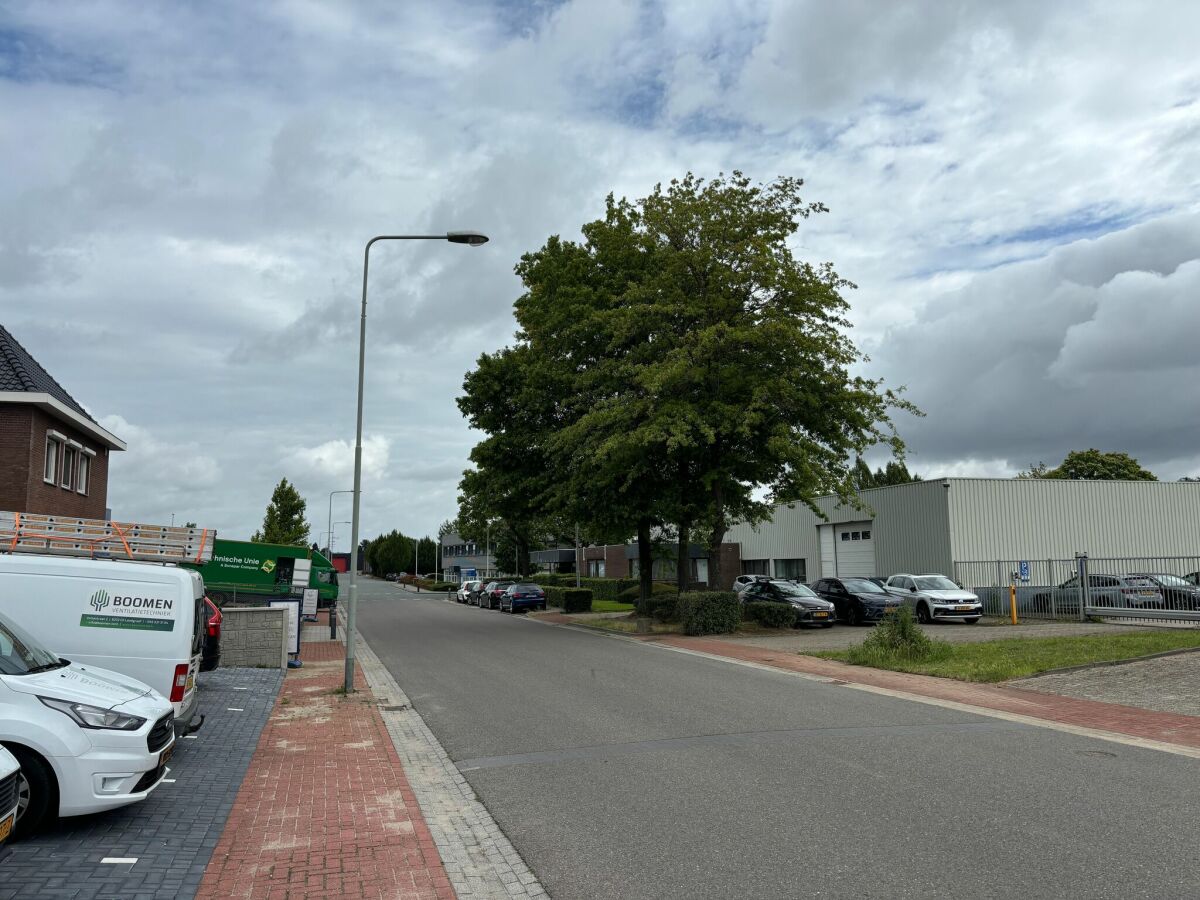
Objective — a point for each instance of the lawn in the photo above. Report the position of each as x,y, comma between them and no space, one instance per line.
599,606
1002,660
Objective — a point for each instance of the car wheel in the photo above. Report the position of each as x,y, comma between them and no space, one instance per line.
923,614
853,615
971,621
37,792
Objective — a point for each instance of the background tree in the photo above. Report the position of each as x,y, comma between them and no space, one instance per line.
1093,465
284,521
896,472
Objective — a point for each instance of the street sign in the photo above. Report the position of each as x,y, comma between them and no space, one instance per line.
1024,567
469,574
310,602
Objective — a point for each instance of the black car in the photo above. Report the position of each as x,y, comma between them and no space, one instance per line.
858,600
489,597
810,609
1178,593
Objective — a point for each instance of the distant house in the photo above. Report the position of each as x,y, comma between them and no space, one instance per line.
53,455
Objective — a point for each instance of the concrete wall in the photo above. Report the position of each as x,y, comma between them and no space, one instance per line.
254,637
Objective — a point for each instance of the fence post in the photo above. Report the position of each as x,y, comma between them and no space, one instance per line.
1081,562
1053,588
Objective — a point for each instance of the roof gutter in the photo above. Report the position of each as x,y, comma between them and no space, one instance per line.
62,411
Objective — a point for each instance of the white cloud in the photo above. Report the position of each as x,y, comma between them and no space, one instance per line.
334,460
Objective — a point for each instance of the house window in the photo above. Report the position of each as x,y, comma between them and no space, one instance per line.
83,481
53,449
793,569
845,535
866,535
70,462
756,567
855,535
595,568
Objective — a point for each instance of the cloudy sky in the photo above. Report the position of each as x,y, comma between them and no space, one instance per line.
186,189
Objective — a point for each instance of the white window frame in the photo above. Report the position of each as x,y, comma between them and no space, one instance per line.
54,444
83,477
71,455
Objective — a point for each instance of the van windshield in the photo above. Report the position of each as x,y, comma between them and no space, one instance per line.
20,654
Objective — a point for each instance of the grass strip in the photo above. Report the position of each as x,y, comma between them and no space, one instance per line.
1002,660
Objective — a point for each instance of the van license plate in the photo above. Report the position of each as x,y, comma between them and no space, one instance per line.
6,827
190,682
165,756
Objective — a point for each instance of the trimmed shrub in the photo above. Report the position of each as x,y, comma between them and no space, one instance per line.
660,608
897,637
570,599
709,612
771,615
444,586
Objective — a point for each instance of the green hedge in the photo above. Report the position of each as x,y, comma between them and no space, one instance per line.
771,615
601,588
570,599
660,607
709,612
444,586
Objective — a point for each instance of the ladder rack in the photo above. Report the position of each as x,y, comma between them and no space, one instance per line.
101,539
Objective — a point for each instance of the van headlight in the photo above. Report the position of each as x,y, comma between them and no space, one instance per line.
86,716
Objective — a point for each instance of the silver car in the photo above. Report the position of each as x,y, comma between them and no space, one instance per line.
935,598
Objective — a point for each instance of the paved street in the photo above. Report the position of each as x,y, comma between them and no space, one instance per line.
624,770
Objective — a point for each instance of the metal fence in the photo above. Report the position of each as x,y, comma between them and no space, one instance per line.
1152,589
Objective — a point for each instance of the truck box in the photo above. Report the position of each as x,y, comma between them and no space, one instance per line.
247,572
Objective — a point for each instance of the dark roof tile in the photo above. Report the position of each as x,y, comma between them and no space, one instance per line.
19,371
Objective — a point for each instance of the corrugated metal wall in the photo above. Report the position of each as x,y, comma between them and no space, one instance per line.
911,530
1046,519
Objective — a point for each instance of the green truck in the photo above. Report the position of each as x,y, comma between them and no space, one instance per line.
246,572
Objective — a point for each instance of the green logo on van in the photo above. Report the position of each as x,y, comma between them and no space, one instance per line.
100,600
269,566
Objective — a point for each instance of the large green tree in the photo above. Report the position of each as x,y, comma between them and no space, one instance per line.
1093,465
284,522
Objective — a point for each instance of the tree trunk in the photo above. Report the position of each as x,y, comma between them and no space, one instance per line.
683,559
645,559
716,537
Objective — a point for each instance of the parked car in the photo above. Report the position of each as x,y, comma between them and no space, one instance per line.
489,597
210,658
522,595
858,601
143,620
1118,591
10,771
744,581
1192,578
87,739
1177,593
810,609
935,598
464,590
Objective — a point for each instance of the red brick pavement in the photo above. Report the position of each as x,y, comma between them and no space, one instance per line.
325,809
1127,720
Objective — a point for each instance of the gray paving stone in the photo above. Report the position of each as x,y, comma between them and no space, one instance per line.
172,832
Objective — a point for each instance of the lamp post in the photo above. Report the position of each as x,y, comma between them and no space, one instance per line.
471,239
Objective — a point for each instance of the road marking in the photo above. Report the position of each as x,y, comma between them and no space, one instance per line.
1079,730
168,781
190,737
119,860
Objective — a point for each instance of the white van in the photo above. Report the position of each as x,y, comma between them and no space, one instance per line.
10,770
142,620
91,738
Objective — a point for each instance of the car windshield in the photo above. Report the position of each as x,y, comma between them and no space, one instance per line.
792,590
935,583
20,654
862,586
1173,581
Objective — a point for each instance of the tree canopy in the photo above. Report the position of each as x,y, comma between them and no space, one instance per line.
284,521
680,367
896,472
1093,465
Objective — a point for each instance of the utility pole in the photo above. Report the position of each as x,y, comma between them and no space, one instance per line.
576,554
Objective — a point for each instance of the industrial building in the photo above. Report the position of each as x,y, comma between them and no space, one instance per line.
929,526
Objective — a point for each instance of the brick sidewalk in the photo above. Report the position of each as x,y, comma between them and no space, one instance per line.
325,809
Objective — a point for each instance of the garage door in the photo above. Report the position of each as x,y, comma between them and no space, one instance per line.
854,549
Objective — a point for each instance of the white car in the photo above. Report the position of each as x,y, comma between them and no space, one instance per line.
466,589
744,581
935,598
10,771
90,738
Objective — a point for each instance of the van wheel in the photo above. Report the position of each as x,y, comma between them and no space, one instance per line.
37,792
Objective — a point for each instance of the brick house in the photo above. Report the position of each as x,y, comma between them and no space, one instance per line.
53,455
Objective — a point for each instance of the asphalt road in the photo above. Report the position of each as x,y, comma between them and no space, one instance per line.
624,770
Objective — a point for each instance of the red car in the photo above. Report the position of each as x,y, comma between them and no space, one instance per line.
211,655
489,597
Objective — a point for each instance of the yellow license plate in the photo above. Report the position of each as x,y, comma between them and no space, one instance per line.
165,755
820,615
962,609
191,681
6,827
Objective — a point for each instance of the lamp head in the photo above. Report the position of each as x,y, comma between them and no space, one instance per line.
473,238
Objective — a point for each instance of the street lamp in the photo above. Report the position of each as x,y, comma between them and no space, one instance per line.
329,520
470,238
334,532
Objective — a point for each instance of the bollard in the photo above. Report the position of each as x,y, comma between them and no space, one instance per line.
333,620
1012,602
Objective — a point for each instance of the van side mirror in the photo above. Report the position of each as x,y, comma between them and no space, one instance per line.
913,589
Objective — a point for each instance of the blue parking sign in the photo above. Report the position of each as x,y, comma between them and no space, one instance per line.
1024,570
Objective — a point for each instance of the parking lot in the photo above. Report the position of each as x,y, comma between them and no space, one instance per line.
157,848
